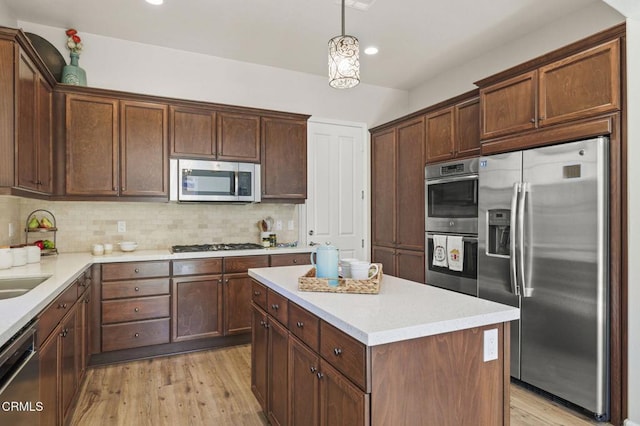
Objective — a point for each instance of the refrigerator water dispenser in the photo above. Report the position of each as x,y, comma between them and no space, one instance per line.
499,232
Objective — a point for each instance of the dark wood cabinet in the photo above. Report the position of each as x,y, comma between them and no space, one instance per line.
193,132
407,264
197,307
290,259
238,137
383,187
50,415
579,86
34,129
304,389
92,149
116,148
278,374
259,355
284,159
144,156
237,303
341,402
453,132
69,358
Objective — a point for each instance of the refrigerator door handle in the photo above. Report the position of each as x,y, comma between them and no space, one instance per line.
515,289
524,290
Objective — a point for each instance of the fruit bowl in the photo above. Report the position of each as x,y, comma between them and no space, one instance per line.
128,245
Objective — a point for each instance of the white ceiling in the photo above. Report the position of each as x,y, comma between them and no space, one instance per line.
417,39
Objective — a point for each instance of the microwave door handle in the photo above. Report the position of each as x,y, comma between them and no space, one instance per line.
235,190
525,291
515,289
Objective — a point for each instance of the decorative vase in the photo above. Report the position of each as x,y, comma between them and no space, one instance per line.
73,74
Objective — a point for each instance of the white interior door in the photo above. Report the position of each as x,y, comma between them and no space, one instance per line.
335,207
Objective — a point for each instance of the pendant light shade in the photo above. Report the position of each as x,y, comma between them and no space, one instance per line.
344,60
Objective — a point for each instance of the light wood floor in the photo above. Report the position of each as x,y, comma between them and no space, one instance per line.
214,388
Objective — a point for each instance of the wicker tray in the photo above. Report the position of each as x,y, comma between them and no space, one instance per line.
309,282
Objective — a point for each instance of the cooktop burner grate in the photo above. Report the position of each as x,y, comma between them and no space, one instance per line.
214,247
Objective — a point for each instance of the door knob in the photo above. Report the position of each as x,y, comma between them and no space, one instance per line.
311,232
311,243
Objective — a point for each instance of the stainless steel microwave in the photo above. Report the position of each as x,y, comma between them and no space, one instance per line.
210,181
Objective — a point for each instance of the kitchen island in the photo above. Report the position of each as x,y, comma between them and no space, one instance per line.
411,355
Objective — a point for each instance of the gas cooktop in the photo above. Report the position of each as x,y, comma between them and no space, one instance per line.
214,247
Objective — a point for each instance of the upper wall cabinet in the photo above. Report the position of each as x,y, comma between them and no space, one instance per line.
582,85
116,148
238,137
193,132
453,132
284,159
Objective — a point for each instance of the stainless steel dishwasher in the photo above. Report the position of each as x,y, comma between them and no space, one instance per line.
19,375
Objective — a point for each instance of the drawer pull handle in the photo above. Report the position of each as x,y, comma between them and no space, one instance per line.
136,309
320,375
313,369
295,260
136,335
257,293
275,307
299,324
262,323
136,270
137,288
337,351
62,306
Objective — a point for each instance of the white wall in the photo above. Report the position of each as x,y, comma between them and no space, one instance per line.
6,18
571,28
134,67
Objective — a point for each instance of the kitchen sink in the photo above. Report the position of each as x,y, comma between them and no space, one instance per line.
14,287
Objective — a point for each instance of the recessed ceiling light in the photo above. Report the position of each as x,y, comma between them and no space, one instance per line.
155,2
371,50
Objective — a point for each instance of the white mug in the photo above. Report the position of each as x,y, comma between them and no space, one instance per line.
33,254
108,248
362,270
345,267
98,250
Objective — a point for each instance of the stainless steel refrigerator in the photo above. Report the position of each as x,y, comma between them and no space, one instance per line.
543,247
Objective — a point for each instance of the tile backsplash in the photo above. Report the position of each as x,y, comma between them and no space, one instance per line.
152,225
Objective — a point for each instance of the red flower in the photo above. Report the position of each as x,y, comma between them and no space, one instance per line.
75,38
71,32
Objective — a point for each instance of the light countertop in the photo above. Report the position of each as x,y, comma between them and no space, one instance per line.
62,269
402,310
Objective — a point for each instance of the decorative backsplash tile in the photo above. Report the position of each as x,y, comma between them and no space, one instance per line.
152,225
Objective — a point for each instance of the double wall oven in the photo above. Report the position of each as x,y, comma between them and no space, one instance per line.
451,197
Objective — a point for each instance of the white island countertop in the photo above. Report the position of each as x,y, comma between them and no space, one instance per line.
402,310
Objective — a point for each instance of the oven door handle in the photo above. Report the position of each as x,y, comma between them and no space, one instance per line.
515,288
465,238
451,179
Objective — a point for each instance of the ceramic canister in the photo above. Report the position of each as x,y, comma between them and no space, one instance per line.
6,258
33,254
326,262
19,256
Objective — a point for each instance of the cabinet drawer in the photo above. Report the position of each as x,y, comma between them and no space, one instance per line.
290,259
243,263
197,267
304,325
135,334
133,270
135,288
344,353
259,294
135,309
57,309
277,307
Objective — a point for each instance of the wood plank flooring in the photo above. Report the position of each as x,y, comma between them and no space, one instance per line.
214,388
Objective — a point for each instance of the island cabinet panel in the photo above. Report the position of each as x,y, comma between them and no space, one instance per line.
278,380
278,307
304,386
345,353
259,355
448,384
342,403
193,132
259,294
284,159
305,326
197,307
238,137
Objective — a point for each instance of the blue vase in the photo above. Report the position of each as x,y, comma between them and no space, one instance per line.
73,74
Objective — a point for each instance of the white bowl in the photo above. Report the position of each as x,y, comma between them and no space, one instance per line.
128,245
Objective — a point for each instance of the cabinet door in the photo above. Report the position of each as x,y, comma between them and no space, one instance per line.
144,159
410,186
467,133
581,85
386,256
69,358
92,145
44,144
440,135
27,146
238,137
193,132
48,356
341,402
410,265
383,184
237,303
304,391
259,356
7,113
197,307
278,373
508,106
85,330
284,160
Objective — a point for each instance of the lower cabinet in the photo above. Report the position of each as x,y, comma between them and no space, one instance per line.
259,356
407,264
196,309
341,402
304,389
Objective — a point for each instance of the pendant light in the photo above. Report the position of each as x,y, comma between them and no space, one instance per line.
344,62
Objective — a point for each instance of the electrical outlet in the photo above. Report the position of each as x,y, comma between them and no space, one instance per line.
290,225
490,344
11,230
122,226
278,225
